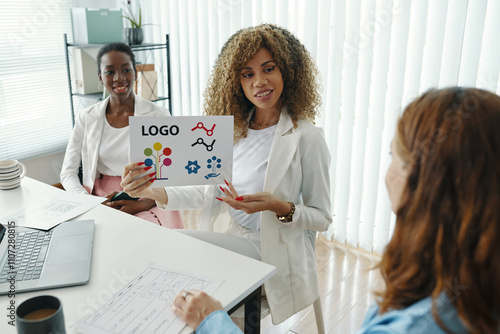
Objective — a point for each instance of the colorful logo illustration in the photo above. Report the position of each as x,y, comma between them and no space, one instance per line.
201,126
156,160
214,163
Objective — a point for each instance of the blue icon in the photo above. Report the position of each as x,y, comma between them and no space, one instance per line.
214,163
192,167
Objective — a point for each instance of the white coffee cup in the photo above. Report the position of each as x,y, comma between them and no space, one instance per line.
11,173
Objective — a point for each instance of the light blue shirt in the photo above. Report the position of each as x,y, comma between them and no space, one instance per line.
414,319
218,322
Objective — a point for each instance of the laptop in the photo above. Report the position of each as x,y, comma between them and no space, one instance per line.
32,259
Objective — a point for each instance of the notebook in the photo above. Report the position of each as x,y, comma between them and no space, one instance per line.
33,259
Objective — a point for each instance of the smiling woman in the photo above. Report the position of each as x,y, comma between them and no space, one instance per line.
279,195
100,139
262,83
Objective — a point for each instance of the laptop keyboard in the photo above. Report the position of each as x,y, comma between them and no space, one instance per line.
31,250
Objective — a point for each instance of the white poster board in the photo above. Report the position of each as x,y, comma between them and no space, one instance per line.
184,150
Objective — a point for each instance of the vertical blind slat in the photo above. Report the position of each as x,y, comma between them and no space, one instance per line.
489,64
360,120
473,37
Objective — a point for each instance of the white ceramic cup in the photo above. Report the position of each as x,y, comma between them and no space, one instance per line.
11,173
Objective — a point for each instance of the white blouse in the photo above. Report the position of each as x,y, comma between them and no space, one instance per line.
250,157
113,152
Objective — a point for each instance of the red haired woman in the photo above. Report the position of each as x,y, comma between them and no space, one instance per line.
442,267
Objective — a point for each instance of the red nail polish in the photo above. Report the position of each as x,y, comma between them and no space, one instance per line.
221,189
152,174
152,180
220,199
239,198
148,168
226,183
141,163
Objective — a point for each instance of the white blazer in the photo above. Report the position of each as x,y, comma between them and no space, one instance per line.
83,146
298,171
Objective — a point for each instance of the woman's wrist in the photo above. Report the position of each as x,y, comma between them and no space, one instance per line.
147,203
159,195
283,208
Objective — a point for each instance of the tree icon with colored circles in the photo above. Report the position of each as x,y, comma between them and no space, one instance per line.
156,159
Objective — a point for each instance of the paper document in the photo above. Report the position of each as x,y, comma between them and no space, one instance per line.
184,150
45,214
144,305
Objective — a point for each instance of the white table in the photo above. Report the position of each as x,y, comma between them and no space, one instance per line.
123,247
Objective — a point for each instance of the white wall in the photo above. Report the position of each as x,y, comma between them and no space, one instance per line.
46,168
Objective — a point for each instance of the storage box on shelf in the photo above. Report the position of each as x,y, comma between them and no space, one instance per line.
86,80
96,26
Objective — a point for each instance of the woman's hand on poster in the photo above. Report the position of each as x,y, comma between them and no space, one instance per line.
134,184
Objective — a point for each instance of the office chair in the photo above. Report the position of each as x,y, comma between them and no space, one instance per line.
318,310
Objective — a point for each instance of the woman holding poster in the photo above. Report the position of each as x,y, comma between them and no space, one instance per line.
279,197
100,140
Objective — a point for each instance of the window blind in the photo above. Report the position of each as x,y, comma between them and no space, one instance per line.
35,113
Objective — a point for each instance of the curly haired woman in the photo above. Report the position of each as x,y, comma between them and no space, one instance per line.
280,194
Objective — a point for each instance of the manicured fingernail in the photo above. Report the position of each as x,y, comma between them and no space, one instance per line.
220,199
152,174
148,168
226,183
221,189
152,180
239,198
141,163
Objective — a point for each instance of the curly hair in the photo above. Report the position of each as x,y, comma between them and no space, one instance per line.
301,92
447,233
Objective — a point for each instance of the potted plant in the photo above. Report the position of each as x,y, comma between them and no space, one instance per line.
135,34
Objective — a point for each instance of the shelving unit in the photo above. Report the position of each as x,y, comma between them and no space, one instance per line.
146,53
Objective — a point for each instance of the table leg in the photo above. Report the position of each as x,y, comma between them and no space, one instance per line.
252,312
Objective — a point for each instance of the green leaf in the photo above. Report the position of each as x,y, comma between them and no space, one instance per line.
140,16
132,22
129,15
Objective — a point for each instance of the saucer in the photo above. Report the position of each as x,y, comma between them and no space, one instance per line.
10,185
9,163
5,170
8,176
